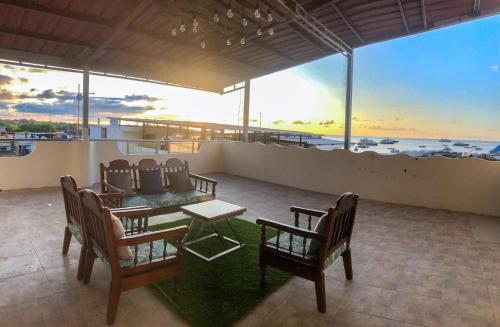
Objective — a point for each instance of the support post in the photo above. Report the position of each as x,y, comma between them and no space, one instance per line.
85,109
348,102
246,110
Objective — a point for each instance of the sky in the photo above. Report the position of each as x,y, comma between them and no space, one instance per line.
443,83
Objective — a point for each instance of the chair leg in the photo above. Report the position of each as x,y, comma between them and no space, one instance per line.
89,264
320,293
114,299
81,263
263,267
67,240
346,257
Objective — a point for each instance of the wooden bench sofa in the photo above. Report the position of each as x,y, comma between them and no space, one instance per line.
167,201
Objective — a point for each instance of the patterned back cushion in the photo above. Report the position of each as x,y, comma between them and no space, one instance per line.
151,181
180,181
120,180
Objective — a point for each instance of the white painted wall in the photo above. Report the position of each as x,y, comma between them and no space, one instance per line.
467,185
50,160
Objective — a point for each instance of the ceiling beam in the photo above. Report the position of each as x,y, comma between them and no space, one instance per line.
424,13
475,8
166,39
403,16
344,19
131,13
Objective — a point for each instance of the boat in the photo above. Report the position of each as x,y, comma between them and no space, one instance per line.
388,141
393,150
422,146
362,146
444,140
367,141
446,148
460,143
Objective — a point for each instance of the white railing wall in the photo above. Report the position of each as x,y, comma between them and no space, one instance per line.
466,185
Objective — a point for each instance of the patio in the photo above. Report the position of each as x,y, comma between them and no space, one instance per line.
412,266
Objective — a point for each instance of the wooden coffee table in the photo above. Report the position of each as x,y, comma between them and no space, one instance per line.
208,214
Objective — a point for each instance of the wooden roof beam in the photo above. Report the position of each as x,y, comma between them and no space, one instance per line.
475,8
346,22
130,14
403,16
106,24
424,14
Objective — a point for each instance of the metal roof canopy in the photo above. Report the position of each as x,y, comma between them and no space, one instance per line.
132,39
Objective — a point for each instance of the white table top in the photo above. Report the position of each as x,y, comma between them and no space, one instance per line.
213,210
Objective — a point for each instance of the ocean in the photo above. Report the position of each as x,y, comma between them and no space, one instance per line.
415,146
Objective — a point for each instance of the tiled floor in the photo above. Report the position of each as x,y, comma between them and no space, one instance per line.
412,266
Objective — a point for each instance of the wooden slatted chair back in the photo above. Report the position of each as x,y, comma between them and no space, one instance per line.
119,165
71,200
98,226
173,165
341,222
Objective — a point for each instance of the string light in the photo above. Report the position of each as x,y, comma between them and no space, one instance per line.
257,12
195,29
243,40
195,21
230,13
271,31
228,42
173,32
244,22
203,45
216,17
182,28
269,16
259,31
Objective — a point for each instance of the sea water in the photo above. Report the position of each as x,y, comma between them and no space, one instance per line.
415,145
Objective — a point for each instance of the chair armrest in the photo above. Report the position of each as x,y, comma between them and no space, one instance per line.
132,211
311,212
290,229
202,179
172,233
114,189
113,200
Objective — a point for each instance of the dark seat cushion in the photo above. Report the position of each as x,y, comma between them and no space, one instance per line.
151,181
180,181
320,229
121,180
165,200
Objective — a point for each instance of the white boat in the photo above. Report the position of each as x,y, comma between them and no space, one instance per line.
393,150
366,141
460,143
444,140
362,146
388,141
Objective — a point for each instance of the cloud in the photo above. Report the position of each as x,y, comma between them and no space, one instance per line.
393,128
278,122
494,68
327,122
144,97
7,95
300,122
5,80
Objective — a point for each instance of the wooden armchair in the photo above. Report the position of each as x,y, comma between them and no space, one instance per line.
134,219
305,252
153,257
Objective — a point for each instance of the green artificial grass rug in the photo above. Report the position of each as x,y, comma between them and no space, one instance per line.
220,292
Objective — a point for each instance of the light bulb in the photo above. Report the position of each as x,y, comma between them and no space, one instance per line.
259,31
173,32
182,28
244,22
271,31
243,40
230,13
228,42
216,18
195,29
195,22
269,16
257,12
203,45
